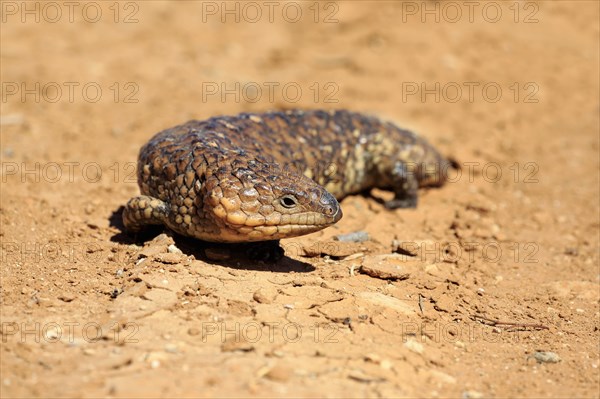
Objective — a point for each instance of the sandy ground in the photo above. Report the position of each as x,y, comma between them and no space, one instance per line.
498,267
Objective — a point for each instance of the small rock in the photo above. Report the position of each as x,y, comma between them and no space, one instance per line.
190,290
169,258
12,119
415,248
383,267
52,334
67,297
354,256
443,377
237,344
156,246
361,376
279,373
357,236
571,251
155,359
414,346
171,348
472,395
335,249
260,297
546,357
460,344
373,357
386,301
172,249
386,364
8,152
395,245
193,331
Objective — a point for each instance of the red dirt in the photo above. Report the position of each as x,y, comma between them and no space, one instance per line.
349,320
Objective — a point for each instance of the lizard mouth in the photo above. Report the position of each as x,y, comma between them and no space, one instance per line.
296,226
306,220
288,230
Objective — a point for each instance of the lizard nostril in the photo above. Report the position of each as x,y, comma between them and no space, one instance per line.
328,200
331,210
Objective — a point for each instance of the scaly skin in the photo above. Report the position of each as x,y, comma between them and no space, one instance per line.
263,177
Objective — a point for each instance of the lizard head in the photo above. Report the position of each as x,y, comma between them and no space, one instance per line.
263,201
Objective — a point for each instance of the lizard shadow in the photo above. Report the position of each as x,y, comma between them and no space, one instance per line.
234,256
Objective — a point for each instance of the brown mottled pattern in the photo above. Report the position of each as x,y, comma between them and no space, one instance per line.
258,177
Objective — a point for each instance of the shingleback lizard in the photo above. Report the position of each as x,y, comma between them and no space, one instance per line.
263,177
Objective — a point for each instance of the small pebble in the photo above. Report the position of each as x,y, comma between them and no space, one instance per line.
414,346
169,258
361,376
12,119
413,248
357,236
67,297
546,357
384,267
260,297
571,251
171,348
279,373
157,245
472,395
386,364
174,250
337,249
239,345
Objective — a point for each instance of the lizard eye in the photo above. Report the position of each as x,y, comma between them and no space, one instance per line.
288,201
